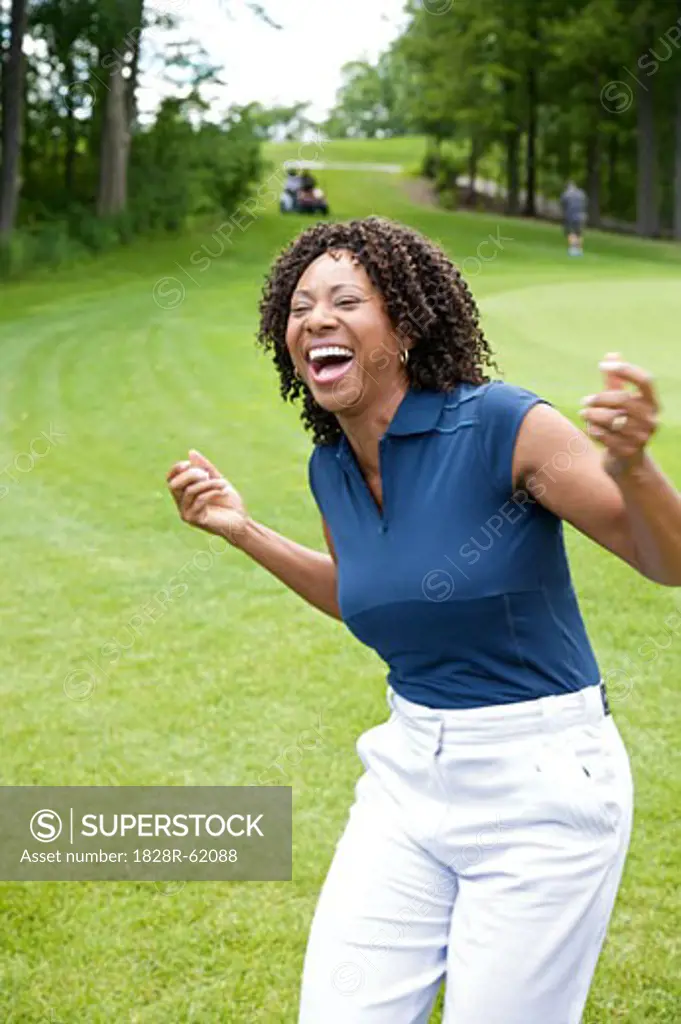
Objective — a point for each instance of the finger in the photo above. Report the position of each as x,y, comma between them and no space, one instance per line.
611,380
606,417
638,427
632,404
621,398
204,485
631,439
198,503
625,400
179,467
633,375
188,476
197,459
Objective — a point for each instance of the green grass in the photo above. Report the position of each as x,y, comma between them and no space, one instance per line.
224,683
408,151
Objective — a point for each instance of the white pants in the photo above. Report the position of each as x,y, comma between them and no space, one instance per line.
486,845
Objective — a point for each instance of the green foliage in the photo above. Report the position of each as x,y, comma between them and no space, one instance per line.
180,172
95,233
46,244
369,103
573,77
15,254
279,122
180,168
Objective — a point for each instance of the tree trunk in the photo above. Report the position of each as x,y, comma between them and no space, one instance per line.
512,142
434,156
473,157
677,162
565,156
134,79
593,178
12,118
513,172
112,196
532,103
647,216
613,154
71,133
676,181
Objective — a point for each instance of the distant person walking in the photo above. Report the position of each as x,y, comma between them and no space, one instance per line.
573,203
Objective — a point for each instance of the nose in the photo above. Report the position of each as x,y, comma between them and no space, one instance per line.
321,320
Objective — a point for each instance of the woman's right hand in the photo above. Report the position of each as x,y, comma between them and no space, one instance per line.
204,498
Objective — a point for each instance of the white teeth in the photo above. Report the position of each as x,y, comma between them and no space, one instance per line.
324,351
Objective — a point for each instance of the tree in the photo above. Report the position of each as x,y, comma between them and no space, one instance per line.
85,158
12,113
366,103
647,196
550,81
677,159
280,122
677,137
532,98
122,25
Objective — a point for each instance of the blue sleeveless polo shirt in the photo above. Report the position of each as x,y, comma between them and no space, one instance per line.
460,585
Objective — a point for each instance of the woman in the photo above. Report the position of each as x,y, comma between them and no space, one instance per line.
490,827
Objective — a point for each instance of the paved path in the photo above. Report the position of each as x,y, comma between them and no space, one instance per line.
549,208
316,165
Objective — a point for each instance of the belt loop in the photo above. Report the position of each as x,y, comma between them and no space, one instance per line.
546,718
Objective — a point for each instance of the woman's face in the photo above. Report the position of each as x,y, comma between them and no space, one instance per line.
340,338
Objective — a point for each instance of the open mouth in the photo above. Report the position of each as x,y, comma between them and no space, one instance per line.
328,363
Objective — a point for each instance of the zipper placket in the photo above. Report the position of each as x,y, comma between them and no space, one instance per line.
383,512
352,465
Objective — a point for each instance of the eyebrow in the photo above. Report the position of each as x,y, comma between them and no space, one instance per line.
335,288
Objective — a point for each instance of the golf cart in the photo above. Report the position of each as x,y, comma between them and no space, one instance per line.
301,194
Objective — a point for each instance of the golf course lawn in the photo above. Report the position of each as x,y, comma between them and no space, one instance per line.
221,686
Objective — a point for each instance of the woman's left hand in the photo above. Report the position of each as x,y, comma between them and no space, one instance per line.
621,419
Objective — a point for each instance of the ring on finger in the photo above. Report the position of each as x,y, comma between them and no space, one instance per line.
619,422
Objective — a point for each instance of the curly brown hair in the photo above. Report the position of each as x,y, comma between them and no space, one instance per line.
425,296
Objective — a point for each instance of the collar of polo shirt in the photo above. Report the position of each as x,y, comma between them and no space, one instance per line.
418,413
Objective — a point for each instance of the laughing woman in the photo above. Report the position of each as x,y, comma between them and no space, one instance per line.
490,827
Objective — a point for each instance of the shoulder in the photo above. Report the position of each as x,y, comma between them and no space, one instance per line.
499,400
322,465
323,454
500,411
491,407
490,403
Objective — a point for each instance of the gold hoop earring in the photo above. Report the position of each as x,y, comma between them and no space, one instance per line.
404,356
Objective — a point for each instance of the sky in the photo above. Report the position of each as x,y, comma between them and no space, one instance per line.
300,62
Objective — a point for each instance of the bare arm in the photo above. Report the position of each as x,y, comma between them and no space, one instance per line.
205,499
309,573
621,499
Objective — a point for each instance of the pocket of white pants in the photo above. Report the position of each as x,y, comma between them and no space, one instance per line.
369,741
582,778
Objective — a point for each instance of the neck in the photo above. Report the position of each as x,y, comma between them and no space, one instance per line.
365,428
